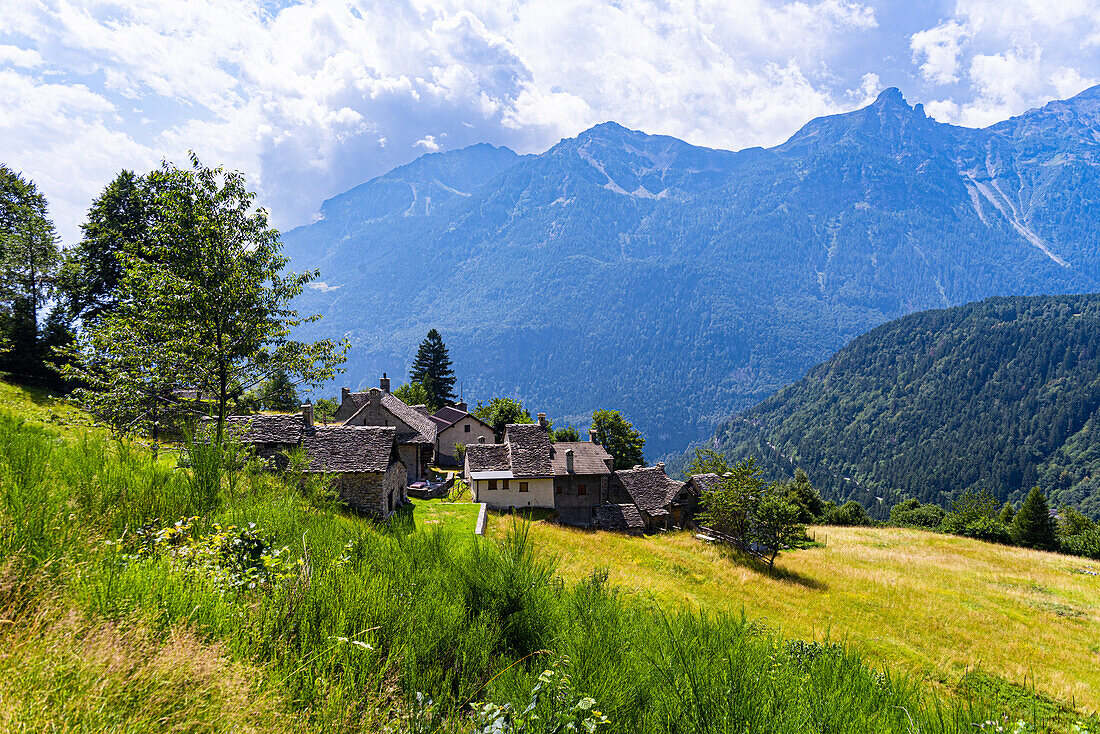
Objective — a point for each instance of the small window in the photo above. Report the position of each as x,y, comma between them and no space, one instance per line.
582,489
557,489
504,484
466,428
492,484
523,486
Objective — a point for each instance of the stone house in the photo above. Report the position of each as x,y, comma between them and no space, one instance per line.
363,462
527,470
416,432
456,425
270,436
582,479
662,503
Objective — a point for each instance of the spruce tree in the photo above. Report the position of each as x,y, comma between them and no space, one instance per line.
432,369
1033,527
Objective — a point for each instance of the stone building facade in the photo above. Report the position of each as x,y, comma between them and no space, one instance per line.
455,426
363,463
416,432
527,470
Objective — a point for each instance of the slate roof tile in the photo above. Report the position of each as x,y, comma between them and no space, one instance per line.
349,448
619,517
588,458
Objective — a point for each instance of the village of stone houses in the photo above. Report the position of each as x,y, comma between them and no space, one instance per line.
378,452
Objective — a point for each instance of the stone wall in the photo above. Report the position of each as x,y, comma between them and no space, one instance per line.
573,507
376,494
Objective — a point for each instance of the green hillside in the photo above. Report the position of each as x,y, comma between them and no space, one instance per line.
998,395
138,595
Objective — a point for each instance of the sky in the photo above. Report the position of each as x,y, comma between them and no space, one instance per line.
309,99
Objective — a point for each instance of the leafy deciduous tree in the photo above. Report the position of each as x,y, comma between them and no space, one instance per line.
413,393
210,301
499,412
565,434
619,437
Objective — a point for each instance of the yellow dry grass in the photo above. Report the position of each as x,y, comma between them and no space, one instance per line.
932,604
61,672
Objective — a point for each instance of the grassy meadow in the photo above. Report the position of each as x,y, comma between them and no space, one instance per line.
136,595
936,605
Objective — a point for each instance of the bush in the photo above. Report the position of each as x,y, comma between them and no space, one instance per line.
850,513
987,529
1085,544
911,513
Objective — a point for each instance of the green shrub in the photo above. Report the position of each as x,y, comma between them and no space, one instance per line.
988,529
911,513
850,513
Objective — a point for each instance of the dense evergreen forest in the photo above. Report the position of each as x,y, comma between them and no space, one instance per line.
1000,395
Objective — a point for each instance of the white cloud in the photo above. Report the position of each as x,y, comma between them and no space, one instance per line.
428,143
940,48
26,58
315,97
1001,57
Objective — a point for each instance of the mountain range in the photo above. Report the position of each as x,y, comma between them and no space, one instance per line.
680,284
1000,395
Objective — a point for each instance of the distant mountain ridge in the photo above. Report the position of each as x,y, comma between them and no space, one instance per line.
681,284
1000,395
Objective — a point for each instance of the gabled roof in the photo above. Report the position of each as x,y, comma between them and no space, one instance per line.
619,517
447,416
284,428
528,449
349,448
649,487
588,458
424,426
488,457
705,482
424,429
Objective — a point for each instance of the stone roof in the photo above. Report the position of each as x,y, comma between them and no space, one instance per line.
588,458
284,428
488,457
447,416
649,487
528,449
705,482
424,428
349,448
619,517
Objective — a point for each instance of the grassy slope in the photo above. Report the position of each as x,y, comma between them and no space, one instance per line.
936,604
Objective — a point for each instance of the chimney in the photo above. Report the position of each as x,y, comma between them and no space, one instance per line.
307,413
481,439
345,393
463,407
384,383
569,460
661,466
542,420
592,435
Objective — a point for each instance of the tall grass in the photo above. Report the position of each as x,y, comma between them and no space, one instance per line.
366,617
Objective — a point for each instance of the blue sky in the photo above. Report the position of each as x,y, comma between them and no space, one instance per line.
309,99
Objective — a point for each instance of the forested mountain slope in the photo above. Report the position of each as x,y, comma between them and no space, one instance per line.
1001,395
680,284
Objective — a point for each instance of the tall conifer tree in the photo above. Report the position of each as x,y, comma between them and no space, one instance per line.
432,368
1033,527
